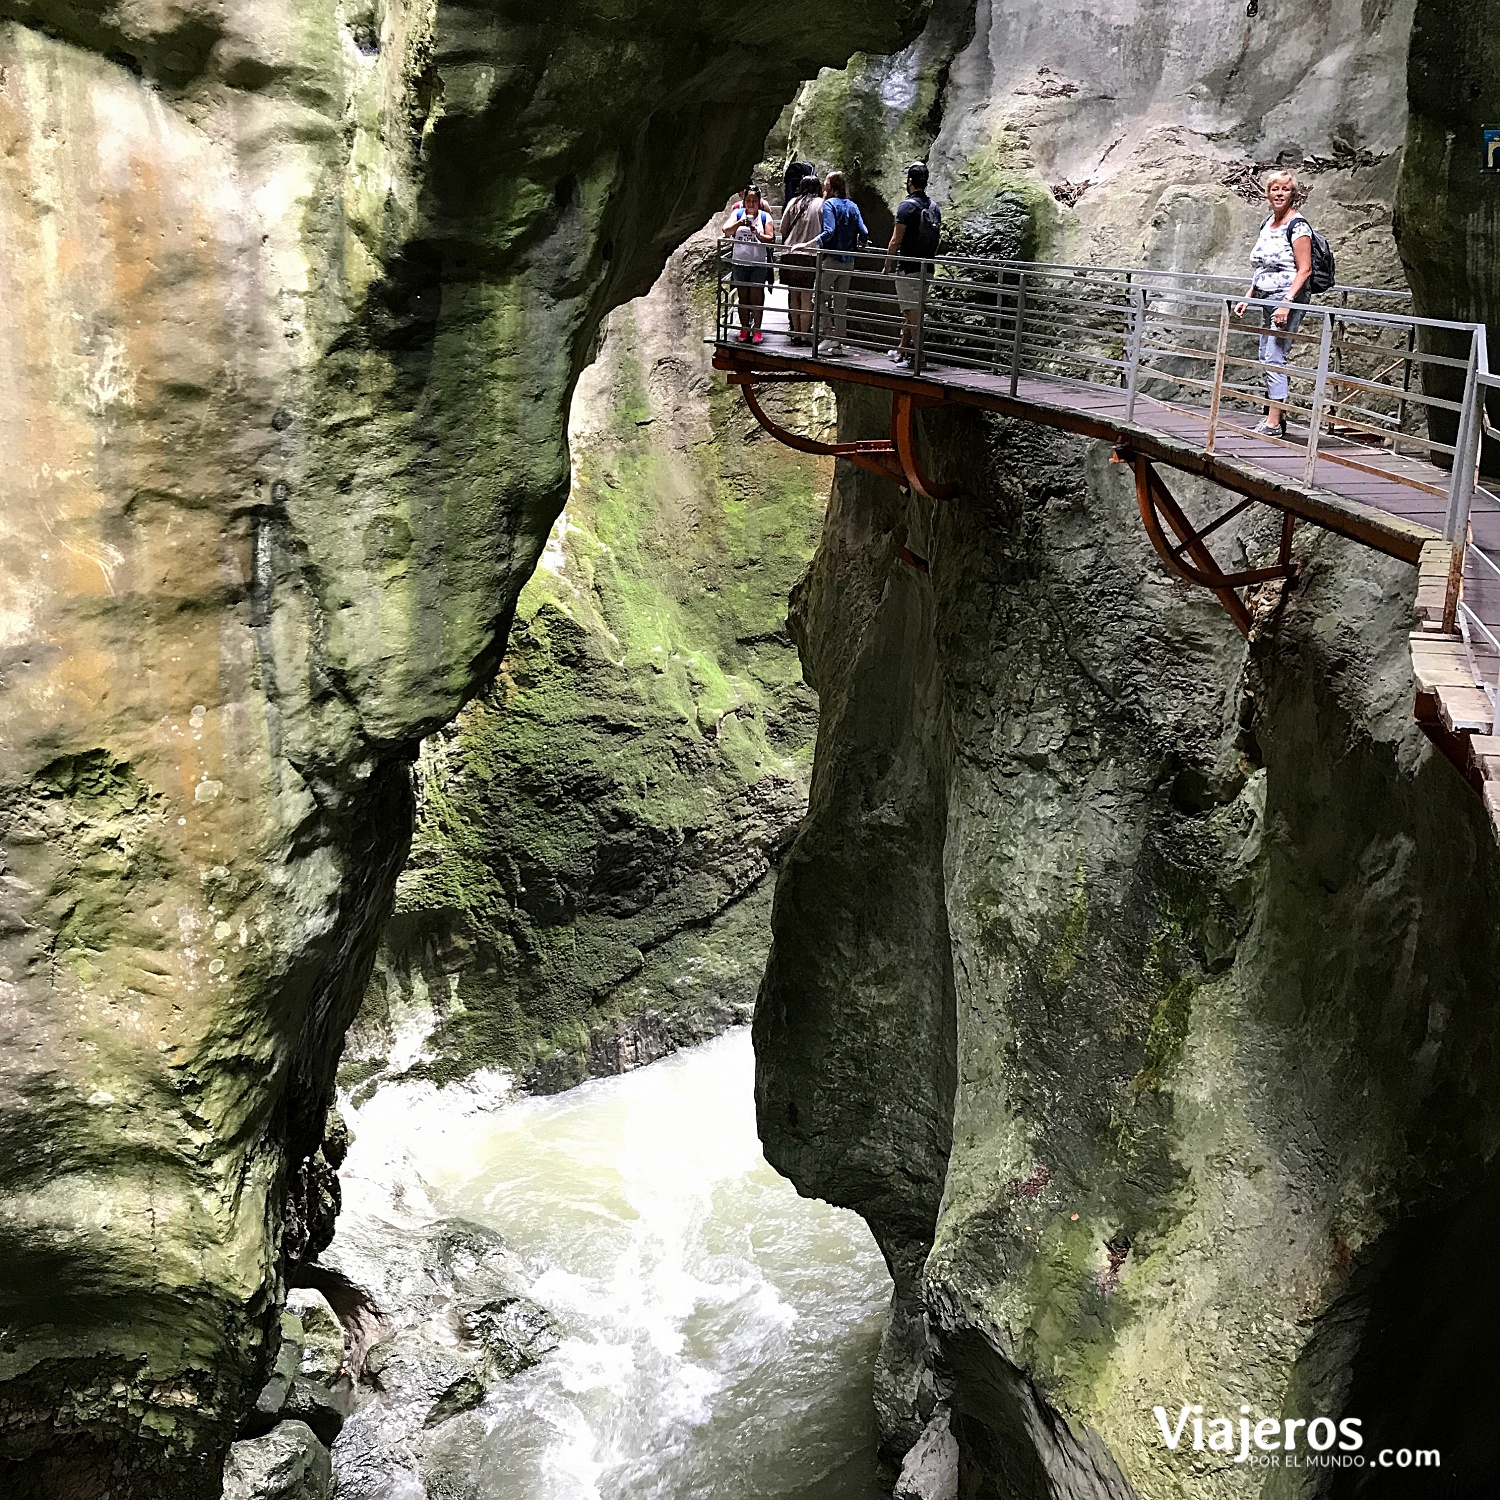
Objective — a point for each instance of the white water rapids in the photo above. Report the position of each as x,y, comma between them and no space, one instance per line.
718,1331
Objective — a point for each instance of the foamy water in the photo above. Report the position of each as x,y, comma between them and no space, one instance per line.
719,1331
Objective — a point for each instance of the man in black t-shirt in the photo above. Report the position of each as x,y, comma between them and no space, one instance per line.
914,240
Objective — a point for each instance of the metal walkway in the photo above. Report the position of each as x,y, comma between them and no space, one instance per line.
1385,415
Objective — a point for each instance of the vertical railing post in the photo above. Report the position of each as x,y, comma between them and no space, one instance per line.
1015,346
999,320
1466,449
916,352
1401,405
1320,391
1137,338
817,298
1218,388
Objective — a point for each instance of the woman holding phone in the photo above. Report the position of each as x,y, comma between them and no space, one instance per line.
749,226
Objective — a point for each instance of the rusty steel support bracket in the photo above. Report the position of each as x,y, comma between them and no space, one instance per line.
877,455
1458,749
1191,559
904,440
893,458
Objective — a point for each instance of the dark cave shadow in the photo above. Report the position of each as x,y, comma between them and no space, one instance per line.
1426,1371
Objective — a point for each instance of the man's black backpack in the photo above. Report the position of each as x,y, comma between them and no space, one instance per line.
923,236
1324,273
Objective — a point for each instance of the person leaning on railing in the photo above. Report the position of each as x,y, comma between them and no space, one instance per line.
752,231
918,226
801,229
1281,266
843,233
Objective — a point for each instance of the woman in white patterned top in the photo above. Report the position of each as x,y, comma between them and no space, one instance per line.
1280,266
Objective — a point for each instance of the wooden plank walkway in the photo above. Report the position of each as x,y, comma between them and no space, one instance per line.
1394,503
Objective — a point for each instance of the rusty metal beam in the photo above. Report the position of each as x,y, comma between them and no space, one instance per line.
893,458
1156,500
878,455
904,439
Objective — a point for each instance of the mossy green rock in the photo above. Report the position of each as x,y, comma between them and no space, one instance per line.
591,827
288,1463
297,293
1449,204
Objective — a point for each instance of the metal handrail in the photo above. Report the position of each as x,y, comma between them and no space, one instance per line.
1145,330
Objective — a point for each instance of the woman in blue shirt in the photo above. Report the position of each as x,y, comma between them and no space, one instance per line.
843,232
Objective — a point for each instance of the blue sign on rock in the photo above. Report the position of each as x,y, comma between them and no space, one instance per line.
1492,148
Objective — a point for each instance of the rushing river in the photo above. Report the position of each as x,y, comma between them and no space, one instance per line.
718,1331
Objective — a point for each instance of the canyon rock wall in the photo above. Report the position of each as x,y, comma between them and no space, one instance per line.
297,297
1161,1068
1447,207
588,883
1180,1009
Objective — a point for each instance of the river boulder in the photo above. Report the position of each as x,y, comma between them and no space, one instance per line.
287,1463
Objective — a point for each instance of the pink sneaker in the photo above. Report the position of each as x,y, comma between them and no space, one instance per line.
757,337
743,336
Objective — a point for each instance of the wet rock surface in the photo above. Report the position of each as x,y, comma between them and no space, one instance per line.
288,383
288,1463
588,886
930,1469
1181,888
454,1325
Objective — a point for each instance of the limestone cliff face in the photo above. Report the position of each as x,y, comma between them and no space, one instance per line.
1129,134
296,298
1134,985
587,887
1446,206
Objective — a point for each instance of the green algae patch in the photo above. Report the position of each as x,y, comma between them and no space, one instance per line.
995,183
841,119
1075,934
878,113
1172,1017
93,779
1168,1034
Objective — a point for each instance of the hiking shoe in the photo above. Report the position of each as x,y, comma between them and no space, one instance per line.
757,337
1267,430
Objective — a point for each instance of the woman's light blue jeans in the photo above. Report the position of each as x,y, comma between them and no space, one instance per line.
1274,347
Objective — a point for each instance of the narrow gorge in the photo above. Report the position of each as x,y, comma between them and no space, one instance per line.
428,694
